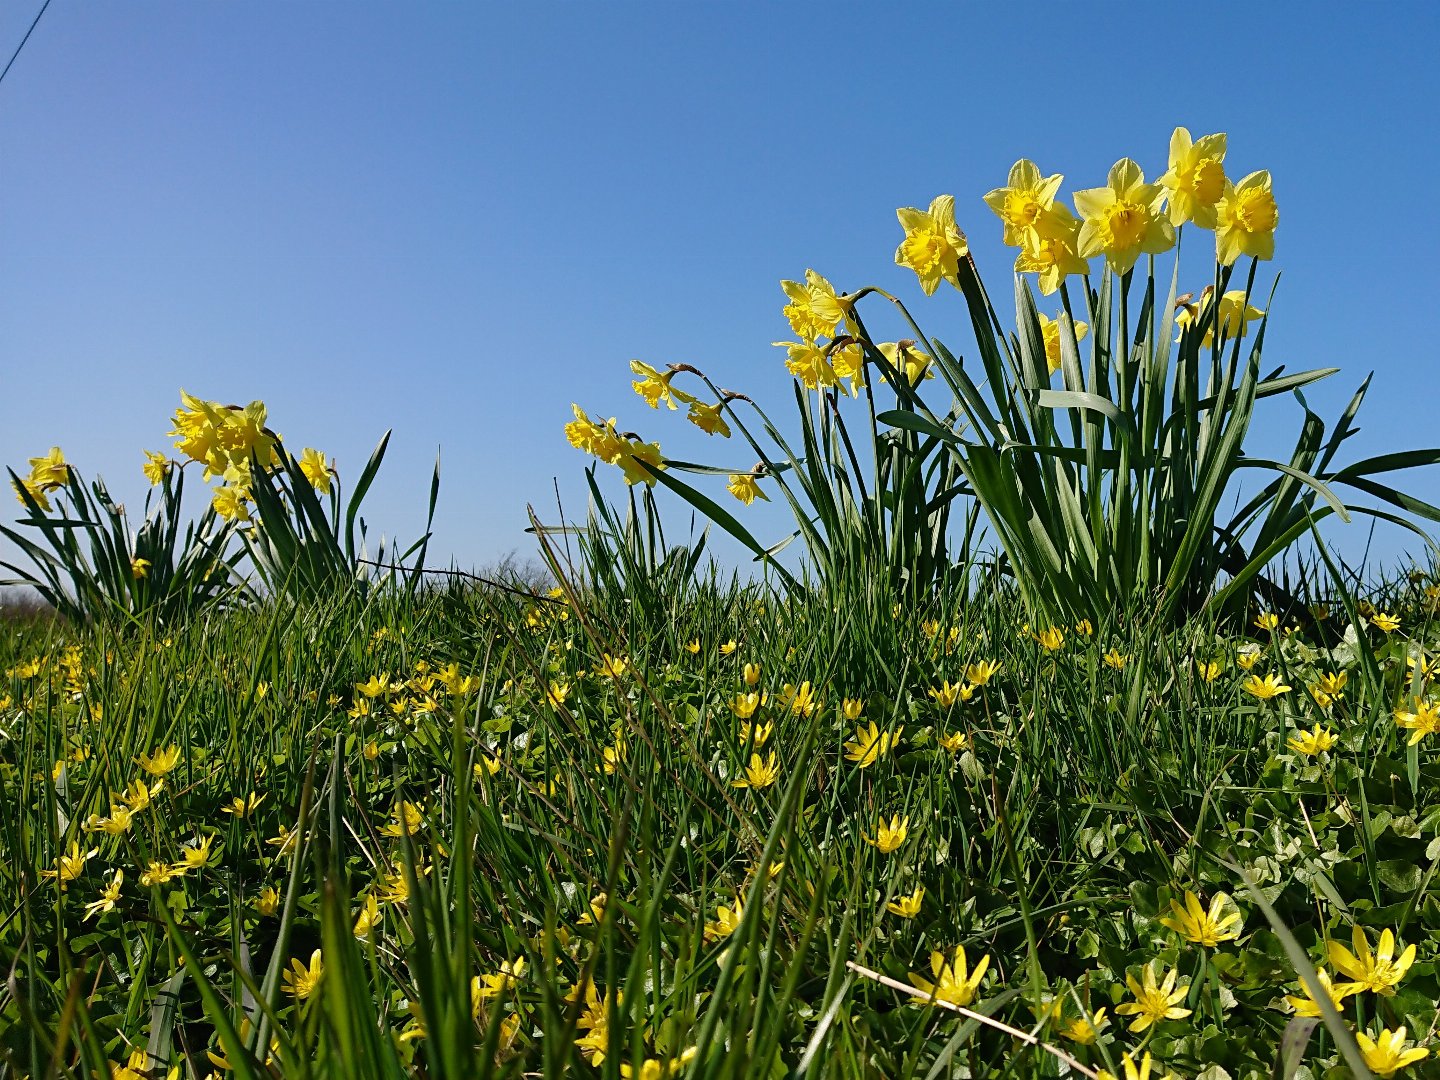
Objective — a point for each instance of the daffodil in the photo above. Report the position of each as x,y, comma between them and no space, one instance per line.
953,981
815,309
708,418
746,488
1050,333
933,244
156,467
1379,971
654,386
810,363
1120,220
1026,204
1199,926
1196,178
1234,317
1154,1001
912,363
1245,219
1053,255
316,469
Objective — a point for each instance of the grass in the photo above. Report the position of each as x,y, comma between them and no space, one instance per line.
565,880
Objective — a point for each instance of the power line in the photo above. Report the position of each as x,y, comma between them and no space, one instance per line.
23,40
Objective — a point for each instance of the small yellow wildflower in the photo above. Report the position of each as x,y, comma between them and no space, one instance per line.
1201,927
1153,1001
907,907
1425,720
1389,1053
890,836
161,762
1384,621
981,672
1380,971
109,896
954,982
1310,743
70,866
1266,688
870,745
1308,1006
727,921
300,981
758,774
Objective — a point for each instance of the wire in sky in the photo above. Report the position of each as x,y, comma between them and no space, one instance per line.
24,39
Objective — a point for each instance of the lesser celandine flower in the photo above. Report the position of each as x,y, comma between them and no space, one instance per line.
907,907
1115,659
1267,620
727,921
1379,971
1199,926
981,672
1309,1006
1050,639
1128,1067
488,986
1389,1053
1154,1001
954,742
954,982
69,866
301,980
1264,689
109,896
1196,178
1050,333
1310,743
1085,1029
759,773
1383,620
160,762
1245,219
1120,220
1026,204
890,836
1425,720
870,745
946,694
933,244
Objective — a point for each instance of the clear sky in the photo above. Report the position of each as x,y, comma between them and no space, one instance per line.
453,220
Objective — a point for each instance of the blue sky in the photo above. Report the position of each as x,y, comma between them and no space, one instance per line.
453,220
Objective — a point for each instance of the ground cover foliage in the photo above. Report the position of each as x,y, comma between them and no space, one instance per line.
469,831
1115,799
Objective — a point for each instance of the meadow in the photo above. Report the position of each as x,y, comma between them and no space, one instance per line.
1034,761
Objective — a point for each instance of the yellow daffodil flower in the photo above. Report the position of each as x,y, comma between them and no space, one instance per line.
933,244
1050,332
1119,220
1026,204
815,309
316,469
1246,217
1196,178
1054,255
